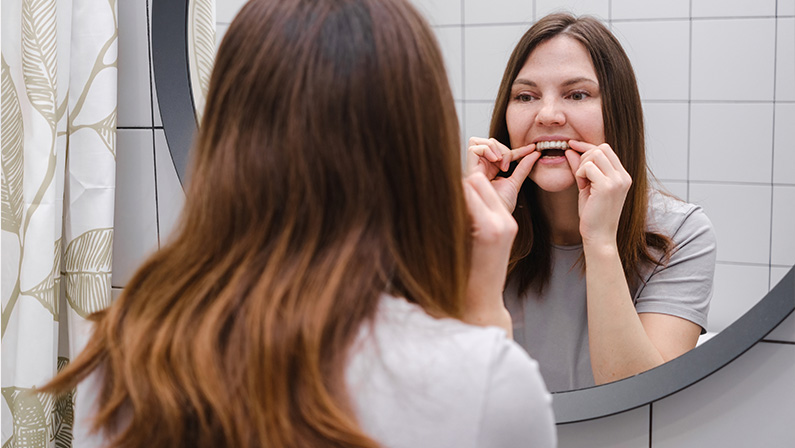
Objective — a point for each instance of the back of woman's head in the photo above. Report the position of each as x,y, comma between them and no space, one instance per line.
326,172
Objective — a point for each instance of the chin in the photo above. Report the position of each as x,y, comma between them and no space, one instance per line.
554,184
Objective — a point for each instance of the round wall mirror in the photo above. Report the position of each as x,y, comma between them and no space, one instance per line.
184,41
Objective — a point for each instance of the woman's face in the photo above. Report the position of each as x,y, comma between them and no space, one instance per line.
555,97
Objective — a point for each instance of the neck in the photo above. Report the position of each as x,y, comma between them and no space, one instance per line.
562,213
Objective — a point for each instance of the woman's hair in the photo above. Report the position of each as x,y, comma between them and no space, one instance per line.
623,129
326,171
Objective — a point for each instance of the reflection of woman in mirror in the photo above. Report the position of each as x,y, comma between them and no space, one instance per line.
608,276
315,290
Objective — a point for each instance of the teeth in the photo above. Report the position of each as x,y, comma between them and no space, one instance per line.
556,144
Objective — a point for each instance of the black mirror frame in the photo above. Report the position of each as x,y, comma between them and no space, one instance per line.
177,111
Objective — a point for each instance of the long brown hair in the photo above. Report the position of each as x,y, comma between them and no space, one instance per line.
326,171
623,126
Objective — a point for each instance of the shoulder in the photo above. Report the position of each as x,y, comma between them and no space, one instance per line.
679,220
438,377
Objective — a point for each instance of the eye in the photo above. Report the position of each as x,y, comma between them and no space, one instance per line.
579,95
523,97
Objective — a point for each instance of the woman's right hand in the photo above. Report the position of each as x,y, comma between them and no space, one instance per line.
488,156
493,231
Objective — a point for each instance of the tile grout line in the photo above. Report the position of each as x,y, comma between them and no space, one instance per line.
152,117
773,153
689,92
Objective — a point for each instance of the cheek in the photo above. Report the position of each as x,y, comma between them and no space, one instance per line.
591,126
517,123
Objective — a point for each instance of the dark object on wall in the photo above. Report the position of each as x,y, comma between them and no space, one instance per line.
172,78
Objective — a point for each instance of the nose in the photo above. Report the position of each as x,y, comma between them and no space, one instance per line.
550,113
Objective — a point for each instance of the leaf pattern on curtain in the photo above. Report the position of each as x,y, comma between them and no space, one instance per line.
13,158
47,292
63,417
202,44
87,264
39,47
31,414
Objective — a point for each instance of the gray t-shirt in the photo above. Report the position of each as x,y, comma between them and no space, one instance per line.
417,381
553,328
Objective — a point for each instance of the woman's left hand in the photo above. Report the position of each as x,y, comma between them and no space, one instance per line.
603,183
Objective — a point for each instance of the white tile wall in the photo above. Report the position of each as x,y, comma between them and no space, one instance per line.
135,217
784,144
450,39
741,216
783,241
598,8
666,139
785,59
134,105
662,66
478,118
731,142
497,11
733,59
650,9
737,289
722,8
749,403
786,7
170,196
440,12
486,52
626,430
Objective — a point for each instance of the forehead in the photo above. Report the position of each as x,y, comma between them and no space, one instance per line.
559,57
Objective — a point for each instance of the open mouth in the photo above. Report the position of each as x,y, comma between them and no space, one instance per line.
551,149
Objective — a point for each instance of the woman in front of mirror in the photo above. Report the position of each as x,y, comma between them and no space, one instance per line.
318,292
609,277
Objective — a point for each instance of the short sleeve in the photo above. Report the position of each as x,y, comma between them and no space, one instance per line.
517,408
683,287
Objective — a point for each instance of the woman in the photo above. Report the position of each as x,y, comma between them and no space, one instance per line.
569,107
312,295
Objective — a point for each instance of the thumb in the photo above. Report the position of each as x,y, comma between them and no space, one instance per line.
574,162
524,167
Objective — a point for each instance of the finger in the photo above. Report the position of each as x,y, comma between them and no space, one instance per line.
579,146
599,158
590,171
575,159
486,191
522,151
485,151
612,156
475,203
477,141
523,168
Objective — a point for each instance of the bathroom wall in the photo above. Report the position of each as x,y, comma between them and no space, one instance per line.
717,80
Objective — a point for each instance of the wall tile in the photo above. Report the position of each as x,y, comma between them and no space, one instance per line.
777,273
115,293
649,9
666,139
450,42
748,403
477,119
155,104
440,12
135,217
785,60
677,188
170,195
741,217
661,65
733,59
598,8
785,330
783,242
220,31
134,105
626,430
722,8
503,11
486,52
226,10
737,289
783,146
786,7
731,142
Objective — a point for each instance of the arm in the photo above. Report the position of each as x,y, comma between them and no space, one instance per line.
622,342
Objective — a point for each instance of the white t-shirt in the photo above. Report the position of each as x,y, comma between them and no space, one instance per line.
417,381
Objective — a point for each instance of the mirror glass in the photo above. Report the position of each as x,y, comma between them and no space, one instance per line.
718,88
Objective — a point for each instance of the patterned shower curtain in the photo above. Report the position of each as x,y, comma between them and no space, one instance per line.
58,182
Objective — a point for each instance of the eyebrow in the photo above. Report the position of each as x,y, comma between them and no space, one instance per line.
566,83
